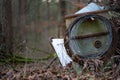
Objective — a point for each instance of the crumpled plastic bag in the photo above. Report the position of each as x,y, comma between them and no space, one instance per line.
90,7
58,45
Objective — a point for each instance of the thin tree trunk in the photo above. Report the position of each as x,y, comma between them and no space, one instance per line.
22,17
48,10
7,24
62,16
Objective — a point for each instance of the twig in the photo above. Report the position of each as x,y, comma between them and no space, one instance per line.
51,62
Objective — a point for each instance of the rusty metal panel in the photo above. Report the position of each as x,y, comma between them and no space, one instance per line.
71,17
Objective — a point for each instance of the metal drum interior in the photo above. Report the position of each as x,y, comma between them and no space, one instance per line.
90,36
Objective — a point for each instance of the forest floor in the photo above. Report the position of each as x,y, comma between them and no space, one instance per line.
38,71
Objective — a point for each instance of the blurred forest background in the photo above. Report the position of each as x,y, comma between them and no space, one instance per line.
26,25
25,29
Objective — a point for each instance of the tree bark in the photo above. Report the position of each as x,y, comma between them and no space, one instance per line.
22,12
22,18
62,16
7,25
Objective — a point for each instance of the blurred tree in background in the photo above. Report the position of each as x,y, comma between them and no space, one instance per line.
26,25
6,27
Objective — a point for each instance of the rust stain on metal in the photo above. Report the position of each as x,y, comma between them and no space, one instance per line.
76,15
90,35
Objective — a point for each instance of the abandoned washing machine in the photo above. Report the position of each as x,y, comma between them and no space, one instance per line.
90,36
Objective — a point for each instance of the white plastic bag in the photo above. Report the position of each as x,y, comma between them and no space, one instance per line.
59,47
89,8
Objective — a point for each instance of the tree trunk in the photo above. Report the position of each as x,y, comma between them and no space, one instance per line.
62,26
22,18
7,25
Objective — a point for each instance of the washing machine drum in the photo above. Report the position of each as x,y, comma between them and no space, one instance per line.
90,36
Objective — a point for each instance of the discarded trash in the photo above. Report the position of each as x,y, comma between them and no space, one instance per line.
90,38
89,8
59,47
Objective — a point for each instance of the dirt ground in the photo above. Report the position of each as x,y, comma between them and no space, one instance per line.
38,71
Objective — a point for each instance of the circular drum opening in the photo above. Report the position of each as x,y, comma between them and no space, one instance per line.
90,36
